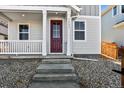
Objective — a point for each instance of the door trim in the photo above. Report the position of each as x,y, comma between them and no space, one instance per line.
62,19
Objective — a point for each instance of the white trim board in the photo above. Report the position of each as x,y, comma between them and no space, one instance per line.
81,16
48,8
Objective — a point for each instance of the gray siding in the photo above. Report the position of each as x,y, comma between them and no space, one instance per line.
89,10
109,33
92,43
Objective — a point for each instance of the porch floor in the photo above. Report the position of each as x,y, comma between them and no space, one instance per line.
31,56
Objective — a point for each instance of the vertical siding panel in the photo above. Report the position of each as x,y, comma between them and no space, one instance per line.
97,10
93,10
87,10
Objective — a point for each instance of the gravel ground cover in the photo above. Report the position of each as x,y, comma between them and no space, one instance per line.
17,73
98,74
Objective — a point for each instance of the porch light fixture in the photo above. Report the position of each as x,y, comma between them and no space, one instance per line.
56,13
23,15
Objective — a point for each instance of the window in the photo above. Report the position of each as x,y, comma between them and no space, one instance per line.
114,11
56,30
79,30
122,9
23,32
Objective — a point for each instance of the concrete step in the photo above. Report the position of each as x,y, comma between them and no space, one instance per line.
56,61
57,56
54,77
55,68
61,84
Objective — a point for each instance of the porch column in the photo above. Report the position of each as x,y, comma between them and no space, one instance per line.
44,51
69,33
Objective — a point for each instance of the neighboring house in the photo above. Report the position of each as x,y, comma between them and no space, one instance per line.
113,24
3,29
52,29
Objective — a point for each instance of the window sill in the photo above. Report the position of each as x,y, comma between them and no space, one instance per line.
79,40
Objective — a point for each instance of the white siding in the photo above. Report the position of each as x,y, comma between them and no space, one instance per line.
2,37
3,30
35,21
109,33
92,43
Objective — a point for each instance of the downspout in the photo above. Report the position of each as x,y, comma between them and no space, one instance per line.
73,18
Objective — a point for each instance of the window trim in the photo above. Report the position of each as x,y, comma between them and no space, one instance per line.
80,30
24,32
113,10
121,9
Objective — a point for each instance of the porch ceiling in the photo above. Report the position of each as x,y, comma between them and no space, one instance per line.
5,16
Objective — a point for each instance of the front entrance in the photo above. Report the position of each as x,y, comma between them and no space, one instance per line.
56,36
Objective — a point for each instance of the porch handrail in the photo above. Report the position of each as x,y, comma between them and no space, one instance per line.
20,46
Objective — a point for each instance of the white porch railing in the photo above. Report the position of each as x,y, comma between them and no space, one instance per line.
20,46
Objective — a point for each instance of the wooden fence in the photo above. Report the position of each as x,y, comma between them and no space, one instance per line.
109,50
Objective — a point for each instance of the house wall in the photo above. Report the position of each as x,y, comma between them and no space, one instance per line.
3,30
109,33
92,43
35,21
2,37
90,46
89,10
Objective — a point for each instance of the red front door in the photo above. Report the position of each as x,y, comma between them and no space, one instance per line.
56,36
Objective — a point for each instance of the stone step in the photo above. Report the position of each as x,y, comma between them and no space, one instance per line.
56,61
54,77
57,56
61,84
55,68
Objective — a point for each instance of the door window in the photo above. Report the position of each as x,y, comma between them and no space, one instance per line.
56,30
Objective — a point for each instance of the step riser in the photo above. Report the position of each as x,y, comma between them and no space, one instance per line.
52,62
42,71
71,78
56,60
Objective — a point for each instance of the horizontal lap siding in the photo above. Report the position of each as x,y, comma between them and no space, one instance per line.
109,33
92,43
35,21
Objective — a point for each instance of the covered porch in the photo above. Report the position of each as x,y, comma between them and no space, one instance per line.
39,20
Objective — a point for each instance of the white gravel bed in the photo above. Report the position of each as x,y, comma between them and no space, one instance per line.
98,74
17,73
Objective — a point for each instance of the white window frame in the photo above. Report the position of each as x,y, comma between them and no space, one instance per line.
121,9
113,11
24,32
80,30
